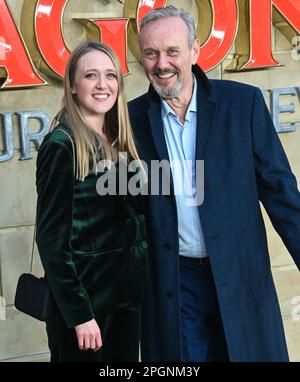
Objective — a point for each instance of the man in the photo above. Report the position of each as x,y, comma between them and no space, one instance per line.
211,293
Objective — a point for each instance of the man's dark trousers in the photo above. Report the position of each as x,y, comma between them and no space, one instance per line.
202,333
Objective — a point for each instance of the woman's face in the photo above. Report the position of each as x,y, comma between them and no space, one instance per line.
95,84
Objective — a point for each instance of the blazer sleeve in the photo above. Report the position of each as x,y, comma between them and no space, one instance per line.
277,185
55,185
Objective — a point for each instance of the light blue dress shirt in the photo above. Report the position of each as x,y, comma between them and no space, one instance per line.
181,144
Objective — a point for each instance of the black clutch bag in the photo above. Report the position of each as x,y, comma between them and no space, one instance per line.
34,298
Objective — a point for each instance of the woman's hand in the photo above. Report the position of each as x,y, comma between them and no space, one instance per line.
89,335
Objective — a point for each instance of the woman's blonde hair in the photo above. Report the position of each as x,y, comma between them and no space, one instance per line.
90,147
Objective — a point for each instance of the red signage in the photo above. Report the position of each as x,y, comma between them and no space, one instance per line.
16,68
223,32
48,51
51,45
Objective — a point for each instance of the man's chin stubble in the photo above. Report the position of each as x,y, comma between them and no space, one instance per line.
167,93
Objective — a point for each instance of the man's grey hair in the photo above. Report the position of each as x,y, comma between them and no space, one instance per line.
171,11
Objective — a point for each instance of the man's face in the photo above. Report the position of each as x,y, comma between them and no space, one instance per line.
167,57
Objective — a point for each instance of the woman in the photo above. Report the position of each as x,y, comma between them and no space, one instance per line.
92,246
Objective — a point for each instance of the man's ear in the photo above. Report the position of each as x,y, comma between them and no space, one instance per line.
195,51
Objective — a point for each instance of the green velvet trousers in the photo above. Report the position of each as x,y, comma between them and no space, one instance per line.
120,331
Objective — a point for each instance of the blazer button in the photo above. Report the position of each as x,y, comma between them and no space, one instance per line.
167,245
144,244
141,218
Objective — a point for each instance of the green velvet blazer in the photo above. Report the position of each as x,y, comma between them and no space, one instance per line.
92,247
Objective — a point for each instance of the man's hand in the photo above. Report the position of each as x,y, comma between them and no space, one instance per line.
89,336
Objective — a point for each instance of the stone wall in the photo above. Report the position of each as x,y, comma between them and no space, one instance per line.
23,338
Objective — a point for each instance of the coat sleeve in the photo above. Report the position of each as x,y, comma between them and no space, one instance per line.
55,184
277,185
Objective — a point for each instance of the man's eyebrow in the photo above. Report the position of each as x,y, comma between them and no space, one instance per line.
156,50
149,48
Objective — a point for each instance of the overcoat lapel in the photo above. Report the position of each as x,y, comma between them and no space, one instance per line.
206,109
157,131
156,125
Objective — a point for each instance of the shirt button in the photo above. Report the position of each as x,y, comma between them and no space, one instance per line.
141,218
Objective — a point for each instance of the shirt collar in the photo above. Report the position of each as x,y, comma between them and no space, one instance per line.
166,109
